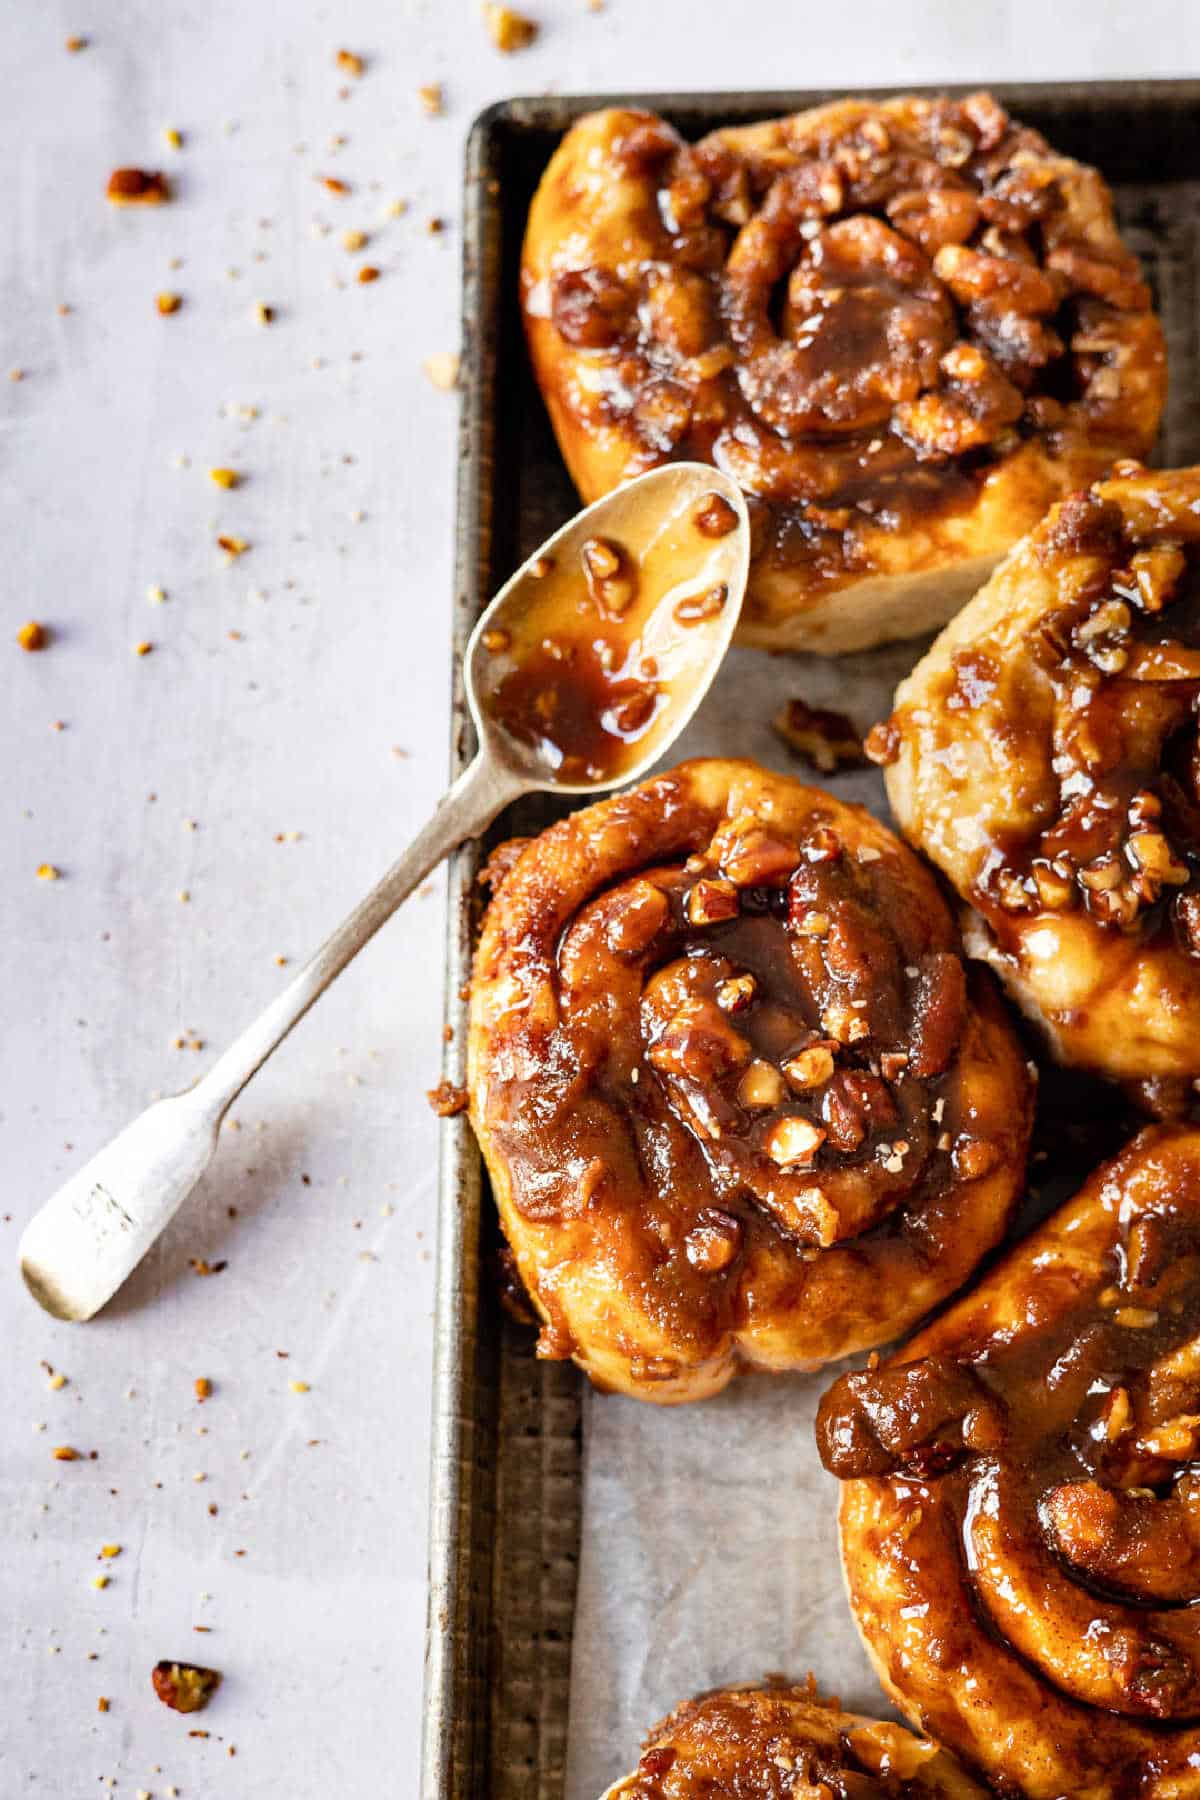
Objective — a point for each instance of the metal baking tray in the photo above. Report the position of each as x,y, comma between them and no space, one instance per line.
506,1467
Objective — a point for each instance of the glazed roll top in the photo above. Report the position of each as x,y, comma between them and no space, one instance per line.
782,1743
737,1096
905,327
1044,754
1021,1520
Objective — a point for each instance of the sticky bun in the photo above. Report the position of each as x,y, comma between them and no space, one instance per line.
1045,756
738,1099
783,1743
1021,1516
905,327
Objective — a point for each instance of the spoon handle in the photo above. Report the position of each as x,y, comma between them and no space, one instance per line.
90,1235
468,807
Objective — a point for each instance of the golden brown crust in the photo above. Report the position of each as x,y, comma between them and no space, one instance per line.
906,327
736,1100
1044,754
1020,1519
782,1743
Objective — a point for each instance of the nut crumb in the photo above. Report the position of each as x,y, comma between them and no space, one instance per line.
203,1388
225,478
102,1704
350,64
824,739
137,187
185,1687
442,369
65,1453
298,1387
232,546
171,138
354,240
447,1100
76,44
168,303
33,636
143,648
334,185
48,872
431,97
368,273
509,30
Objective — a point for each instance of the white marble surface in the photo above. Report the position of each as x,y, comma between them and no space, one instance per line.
180,770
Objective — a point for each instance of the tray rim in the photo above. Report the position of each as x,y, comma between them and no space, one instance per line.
455,1713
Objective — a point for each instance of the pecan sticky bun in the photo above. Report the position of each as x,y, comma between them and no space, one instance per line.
1021,1515
905,327
1045,755
739,1102
782,1743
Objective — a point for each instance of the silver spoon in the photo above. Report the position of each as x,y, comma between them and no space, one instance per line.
89,1237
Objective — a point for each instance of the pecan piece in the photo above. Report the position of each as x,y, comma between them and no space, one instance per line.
184,1687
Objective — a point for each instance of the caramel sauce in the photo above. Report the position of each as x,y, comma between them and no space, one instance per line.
587,665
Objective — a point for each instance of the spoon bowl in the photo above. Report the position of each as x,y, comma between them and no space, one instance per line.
672,603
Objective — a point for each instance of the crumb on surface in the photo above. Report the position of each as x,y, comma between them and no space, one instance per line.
368,273
442,367
509,30
350,63
48,872
138,187
168,303
33,636
184,1687
432,98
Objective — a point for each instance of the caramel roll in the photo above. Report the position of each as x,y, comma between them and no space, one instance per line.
1044,755
738,1099
782,1743
1021,1512
904,327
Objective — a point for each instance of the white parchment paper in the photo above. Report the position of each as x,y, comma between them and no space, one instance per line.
709,1549
709,1555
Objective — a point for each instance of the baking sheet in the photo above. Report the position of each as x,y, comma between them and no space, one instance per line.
594,1560
709,1547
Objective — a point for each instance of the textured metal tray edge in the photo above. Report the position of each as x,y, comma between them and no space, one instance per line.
462,1499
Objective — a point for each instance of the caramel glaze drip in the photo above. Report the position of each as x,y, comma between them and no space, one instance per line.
1044,1451
1121,651
857,323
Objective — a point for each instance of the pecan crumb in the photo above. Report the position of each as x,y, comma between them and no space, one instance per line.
184,1687
33,636
826,740
509,30
882,743
431,98
447,1100
349,63
442,369
168,303
368,273
137,187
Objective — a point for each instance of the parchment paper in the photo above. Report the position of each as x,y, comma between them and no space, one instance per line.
709,1549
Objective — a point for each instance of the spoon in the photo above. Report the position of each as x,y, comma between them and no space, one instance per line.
588,663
